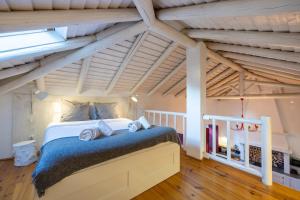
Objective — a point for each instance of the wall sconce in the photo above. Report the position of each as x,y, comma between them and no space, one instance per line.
40,95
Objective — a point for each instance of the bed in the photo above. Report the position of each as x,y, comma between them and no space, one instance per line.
115,167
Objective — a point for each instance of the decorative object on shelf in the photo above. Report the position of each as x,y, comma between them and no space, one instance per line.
240,126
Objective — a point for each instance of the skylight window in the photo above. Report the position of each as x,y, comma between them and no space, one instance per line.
26,39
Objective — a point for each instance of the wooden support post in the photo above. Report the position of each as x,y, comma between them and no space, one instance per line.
196,95
266,153
228,131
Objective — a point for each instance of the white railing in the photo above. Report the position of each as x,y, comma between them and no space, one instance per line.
266,146
176,120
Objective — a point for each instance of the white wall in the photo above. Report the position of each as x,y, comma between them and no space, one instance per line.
23,116
5,126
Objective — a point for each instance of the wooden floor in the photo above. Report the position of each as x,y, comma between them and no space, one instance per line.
205,179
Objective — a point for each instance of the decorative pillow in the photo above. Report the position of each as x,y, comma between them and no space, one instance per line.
75,111
105,129
106,110
93,112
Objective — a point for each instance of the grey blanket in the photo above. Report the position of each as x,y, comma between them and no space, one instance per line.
62,157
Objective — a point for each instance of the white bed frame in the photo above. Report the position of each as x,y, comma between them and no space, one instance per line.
121,178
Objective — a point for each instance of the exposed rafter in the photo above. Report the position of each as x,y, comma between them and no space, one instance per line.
68,58
157,63
179,67
174,86
270,69
215,56
13,71
83,73
273,84
136,45
267,39
224,81
254,51
260,96
29,20
264,61
231,8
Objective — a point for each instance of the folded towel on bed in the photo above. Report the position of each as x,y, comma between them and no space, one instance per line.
105,129
134,126
89,134
144,122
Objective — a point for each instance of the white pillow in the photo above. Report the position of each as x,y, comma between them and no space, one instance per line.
144,122
105,129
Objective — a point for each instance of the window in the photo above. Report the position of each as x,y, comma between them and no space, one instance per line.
26,39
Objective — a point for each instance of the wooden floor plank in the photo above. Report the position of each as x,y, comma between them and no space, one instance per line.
204,179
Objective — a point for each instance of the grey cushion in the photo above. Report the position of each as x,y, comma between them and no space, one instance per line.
76,111
93,112
106,110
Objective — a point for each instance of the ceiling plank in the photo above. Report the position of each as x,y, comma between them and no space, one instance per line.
136,45
30,20
83,73
162,82
157,63
276,40
65,58
231,8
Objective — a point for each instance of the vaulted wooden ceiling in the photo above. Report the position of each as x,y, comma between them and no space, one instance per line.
253,45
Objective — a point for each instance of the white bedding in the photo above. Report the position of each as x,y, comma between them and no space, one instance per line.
70,129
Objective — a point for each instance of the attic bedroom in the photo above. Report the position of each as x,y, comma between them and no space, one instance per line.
152,99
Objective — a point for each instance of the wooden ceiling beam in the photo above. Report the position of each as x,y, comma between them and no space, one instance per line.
157,63
30,20
276,40
66,58
13,71
265,61
174,86
215,56
83,74
254,51
146,10
271,69
170,75
136,45
259,96
231,8
273,84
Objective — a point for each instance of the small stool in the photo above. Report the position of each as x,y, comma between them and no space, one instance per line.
25,153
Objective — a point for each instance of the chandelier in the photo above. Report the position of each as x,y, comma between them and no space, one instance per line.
240,126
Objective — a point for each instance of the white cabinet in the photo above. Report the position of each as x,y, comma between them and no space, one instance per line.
286,180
